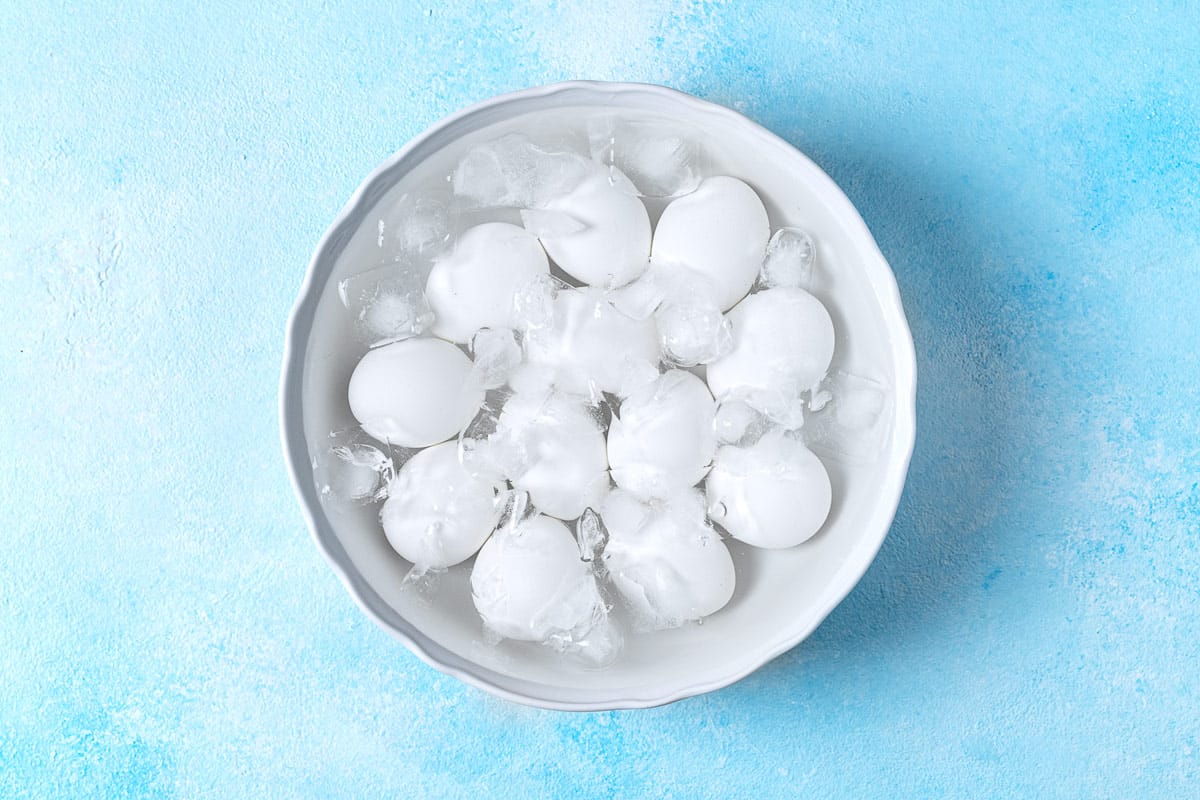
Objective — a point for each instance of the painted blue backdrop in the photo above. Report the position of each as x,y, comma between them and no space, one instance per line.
1030,627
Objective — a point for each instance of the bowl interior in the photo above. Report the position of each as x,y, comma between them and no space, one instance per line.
781,595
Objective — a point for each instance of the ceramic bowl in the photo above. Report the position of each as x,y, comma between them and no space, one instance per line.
782,595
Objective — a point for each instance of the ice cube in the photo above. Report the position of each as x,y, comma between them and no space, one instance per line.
789,261
387,303
484,448
739,423
495,354
591,535
662,160
642,297
854,425
415,227
514,172
533,302
514,508
350,468
550,224
691,328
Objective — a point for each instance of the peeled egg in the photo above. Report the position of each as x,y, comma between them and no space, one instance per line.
414,393
782,342
613,245
666,562
562,452
663,439
772,494
437,514
721,231
529,583
592,345
473,286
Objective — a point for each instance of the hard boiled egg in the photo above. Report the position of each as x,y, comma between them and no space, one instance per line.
782,343
666,562
772,494
414,393
663,439
562,455
437,514
721,231
612,246
591,345
529,583
473,286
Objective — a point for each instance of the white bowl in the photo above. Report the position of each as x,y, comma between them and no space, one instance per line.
781,596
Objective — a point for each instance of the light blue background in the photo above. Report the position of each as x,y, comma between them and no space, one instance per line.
167,629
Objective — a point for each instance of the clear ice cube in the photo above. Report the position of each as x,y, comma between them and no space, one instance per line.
387,303
550,224
351,469
591,534
533,303
514,172
485,447
782,409
415,227
740,424
854,425
789,261
662,160
496,354
691,328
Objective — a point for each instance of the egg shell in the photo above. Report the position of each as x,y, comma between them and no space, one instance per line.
773,494
613,247
663,438
721,231
529,583
437,514
473,286
414,393
670,567
782,343
592,345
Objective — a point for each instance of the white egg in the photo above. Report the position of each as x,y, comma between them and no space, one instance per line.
613,247
529,583
561,450
473,286
773,494
782,343
666,562
437,514
414,393
592,345
663,439
721,231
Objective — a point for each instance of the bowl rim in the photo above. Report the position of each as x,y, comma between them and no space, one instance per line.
297,458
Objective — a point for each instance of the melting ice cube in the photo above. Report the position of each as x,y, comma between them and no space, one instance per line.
350,468
789,261
661,159
414,228
387,303
514,172
854,424
495,355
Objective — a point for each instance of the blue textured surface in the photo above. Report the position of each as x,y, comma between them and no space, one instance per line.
1031,624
